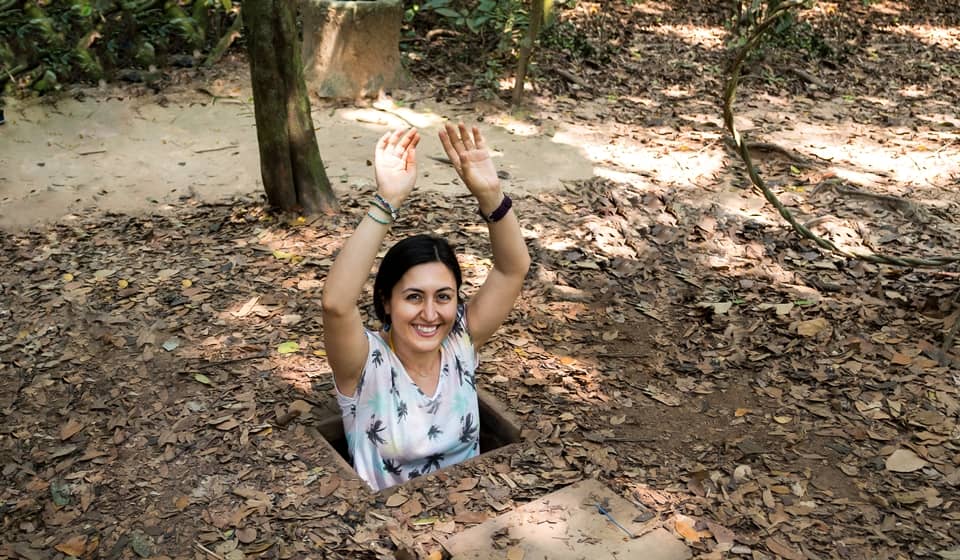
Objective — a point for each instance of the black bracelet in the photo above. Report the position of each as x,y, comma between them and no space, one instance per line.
505,205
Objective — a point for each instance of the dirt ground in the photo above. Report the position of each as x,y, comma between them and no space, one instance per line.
676,339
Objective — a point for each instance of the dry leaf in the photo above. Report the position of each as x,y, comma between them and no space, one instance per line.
74,546
515,553
329,485
397,499
686,528
813,327
300,406
783,550
904,461
467,484
70,429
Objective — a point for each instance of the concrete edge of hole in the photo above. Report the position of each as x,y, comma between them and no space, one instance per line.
492,412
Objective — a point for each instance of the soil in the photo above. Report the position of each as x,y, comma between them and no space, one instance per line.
677,339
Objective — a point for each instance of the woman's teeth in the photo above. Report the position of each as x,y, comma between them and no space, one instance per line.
426,331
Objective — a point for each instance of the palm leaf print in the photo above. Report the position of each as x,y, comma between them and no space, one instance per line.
432,462
391,466
401,410
434,432
468,432
373,431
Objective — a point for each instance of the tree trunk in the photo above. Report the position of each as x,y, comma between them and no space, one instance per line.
537,8
290,163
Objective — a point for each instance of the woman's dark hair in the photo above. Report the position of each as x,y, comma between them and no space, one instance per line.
406,254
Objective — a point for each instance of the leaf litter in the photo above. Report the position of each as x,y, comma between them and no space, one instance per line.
766,398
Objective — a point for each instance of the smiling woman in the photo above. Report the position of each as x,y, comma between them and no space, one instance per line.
407,392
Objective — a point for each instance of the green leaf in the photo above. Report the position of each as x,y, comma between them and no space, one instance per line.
227,5
448,12
288,347
201,378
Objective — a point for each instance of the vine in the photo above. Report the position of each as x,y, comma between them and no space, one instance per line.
729,95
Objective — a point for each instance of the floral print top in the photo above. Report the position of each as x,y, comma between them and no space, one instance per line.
394,431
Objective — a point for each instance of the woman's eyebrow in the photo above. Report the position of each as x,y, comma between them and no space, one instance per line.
420,290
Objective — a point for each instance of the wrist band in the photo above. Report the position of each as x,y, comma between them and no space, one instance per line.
394,213
378,206
505,205
378,220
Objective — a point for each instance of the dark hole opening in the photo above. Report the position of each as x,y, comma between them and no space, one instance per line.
497,428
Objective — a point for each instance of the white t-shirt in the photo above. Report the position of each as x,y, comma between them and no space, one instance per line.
394,431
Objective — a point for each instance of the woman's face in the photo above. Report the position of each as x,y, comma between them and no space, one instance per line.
423,307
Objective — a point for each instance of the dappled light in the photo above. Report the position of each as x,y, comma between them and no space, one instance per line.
678,347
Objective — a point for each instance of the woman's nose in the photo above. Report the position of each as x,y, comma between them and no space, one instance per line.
430,310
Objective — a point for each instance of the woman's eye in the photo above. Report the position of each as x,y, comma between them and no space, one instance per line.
413,297
444,297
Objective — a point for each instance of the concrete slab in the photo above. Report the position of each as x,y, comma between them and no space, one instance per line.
567,525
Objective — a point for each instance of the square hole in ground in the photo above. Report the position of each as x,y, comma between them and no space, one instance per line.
498,429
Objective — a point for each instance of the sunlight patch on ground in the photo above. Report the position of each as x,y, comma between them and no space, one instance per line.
682,164
930,35
387,113
888,7
707,37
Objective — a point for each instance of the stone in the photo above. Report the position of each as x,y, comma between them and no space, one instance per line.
567,525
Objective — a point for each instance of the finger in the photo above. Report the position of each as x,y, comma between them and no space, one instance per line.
382,142
465,137
410,161
455,139
478,139
407,138
448,148
395,137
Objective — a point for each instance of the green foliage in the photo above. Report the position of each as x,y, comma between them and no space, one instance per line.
498,28
787,32
44,44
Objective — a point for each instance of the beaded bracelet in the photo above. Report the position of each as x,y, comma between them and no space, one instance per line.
394,213
378,220
380,207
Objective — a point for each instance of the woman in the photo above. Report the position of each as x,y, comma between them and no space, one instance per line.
407,392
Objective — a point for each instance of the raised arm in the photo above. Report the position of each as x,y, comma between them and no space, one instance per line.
492,303
395,165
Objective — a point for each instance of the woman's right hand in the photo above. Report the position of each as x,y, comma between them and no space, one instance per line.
395,164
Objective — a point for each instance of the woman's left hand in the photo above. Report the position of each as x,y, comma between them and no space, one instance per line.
469,156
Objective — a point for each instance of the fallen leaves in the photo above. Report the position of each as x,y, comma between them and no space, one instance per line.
904,461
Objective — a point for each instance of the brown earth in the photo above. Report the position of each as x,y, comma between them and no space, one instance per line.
676,339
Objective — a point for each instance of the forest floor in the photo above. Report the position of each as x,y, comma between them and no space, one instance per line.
676,339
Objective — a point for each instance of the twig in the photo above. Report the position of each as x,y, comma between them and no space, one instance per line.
399,116
808,77
434,33
206,150
209,365
571,77
92,152
207,550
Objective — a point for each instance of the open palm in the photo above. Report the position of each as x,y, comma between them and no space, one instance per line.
469,155
395,164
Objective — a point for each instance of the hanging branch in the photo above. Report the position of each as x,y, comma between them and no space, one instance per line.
729,94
